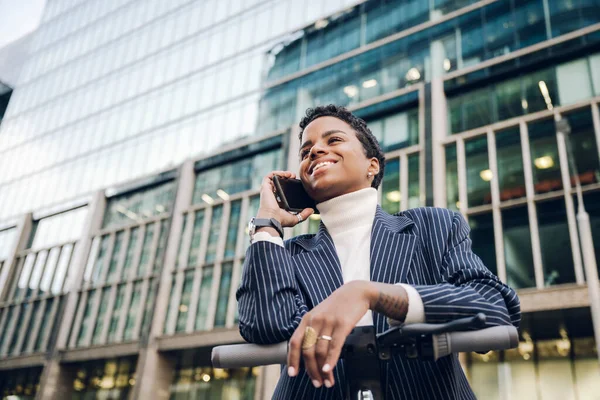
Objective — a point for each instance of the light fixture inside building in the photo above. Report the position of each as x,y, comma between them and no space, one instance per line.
183,308
526,348
207,199
322,23
222,194
393,196
486,175
160,208
369,84
447,64
315,217
545,94
206,377
563,346
524,104
544,162
458,204
413,74
351,91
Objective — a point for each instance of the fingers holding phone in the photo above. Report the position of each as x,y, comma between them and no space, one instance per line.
278,189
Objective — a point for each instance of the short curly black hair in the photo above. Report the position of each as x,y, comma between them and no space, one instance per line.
363,133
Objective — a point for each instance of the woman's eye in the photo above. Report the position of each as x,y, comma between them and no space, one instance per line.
303,154
334,139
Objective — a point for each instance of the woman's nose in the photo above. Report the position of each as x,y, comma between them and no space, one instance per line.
317,150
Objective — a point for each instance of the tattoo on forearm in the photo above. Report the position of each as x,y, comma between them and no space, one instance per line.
393,305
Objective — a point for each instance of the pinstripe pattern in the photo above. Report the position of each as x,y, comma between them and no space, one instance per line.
428,248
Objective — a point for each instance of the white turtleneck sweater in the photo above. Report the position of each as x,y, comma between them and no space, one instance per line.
349,221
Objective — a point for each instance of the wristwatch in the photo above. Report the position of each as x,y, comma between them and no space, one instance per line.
256,223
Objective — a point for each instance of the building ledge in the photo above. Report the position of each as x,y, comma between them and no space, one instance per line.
99,352
554,298
199,339
30,360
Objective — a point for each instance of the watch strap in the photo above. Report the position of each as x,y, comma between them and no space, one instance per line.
268,222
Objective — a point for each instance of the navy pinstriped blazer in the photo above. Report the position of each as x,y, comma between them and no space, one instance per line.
428,248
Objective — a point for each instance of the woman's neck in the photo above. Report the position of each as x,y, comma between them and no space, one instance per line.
349,211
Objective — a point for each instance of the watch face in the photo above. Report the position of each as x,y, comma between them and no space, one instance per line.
251,227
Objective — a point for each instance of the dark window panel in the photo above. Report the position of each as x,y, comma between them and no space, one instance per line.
555,243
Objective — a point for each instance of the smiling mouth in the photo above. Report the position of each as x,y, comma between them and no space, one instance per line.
321,165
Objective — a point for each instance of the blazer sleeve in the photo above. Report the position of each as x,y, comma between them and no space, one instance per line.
468,287
270,302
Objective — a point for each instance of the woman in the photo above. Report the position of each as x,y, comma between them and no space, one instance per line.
363,267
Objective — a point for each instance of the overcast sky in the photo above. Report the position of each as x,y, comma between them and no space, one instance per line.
18,18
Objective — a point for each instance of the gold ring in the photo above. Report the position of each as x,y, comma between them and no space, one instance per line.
310,338
325,337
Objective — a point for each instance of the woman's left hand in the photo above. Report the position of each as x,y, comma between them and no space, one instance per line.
335,317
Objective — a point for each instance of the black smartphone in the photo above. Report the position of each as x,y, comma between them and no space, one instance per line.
291,196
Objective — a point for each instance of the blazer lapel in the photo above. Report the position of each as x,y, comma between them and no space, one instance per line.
318,269
392,251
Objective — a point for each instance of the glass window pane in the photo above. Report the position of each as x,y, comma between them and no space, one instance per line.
482,236
100,261
184,302
128,264
232,229
133,312
452,178
511,180
148,309
583,145
554,234
146,249
204,298
45,325
544,156
114,260
213,234
517,248
223,297
87,316
101,312
314,221
479,174
592,206
414,189
49,270
61,269
574,82
116,314
162,242
36,274
390,186
196,238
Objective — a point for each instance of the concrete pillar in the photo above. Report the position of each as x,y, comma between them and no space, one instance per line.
154,370
439,120
266,384
24,227
58,380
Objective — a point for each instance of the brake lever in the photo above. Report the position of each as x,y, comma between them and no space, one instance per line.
405,336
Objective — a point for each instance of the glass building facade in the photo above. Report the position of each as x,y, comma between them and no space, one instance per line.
133,146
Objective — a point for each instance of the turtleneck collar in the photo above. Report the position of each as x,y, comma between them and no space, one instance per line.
349,211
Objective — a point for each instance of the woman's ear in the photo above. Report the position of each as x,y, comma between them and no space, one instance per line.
374,167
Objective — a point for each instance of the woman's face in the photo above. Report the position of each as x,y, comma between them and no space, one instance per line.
333,161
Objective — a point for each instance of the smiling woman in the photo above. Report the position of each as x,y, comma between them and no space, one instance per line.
363,267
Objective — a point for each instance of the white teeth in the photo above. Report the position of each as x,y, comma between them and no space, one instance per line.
322,164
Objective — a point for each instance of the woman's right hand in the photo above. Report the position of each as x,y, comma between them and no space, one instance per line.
268,204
